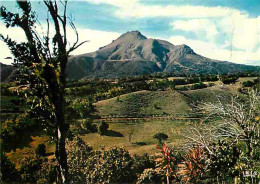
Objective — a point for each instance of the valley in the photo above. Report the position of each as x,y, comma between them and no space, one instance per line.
133,118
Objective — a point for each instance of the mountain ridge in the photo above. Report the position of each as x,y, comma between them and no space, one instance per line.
133,53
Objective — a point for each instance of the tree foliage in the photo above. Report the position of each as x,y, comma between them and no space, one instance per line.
42,62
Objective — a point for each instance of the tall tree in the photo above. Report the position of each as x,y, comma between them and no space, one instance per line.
42,62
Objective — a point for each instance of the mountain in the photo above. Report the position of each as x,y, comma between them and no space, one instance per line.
133,53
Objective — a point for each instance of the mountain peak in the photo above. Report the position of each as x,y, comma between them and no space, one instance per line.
134,35
185,49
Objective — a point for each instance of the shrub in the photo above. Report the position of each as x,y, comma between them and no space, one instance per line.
198,86
140,163
160,137
211,84
223,160
30,166
228,79
8,173
248,84
103,127
165,170
40,150
149,175
192,169
48,172
78,156
82,107
114,165
89,126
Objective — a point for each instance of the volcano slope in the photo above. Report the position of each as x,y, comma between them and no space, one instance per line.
134,54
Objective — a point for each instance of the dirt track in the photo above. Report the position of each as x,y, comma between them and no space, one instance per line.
147,118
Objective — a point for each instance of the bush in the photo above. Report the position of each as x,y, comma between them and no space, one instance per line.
82,107
198,86
193,167
78,156
89,126
40,150
114,165
228,79
165,169
8,173
223,155
30,166
103,127
248,84
149,175
160,137
48,172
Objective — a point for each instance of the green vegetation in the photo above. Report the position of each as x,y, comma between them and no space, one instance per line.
160,137
144,104
134,120
40,150
103,127
228,79
9,173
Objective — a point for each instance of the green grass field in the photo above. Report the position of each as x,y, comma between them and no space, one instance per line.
141,134
146,103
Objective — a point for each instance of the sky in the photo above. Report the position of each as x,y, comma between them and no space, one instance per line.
226,30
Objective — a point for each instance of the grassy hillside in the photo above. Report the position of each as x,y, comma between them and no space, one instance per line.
144,103
209,94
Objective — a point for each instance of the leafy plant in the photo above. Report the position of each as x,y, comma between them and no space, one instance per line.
40,150
89,126
222,161
103,127
193,168
160,137
8,174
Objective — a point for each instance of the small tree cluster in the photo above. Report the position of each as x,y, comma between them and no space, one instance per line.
103,127
114,165
40,150
160,137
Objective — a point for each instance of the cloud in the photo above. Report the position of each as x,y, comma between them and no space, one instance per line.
96,39
199,26
16,34
243,31
212,51
134,8
117,3
237,32
174,11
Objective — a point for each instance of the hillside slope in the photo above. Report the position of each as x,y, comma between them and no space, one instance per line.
144,103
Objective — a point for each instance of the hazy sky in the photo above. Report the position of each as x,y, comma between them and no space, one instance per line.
219,29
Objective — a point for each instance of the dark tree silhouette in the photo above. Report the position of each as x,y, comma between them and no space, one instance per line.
42,64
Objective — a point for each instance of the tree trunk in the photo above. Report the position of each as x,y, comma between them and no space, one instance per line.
61,156
249,147
61,132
